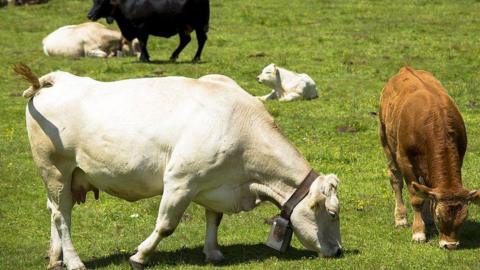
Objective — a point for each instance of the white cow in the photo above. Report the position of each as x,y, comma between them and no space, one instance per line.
141,138
287,85
88,39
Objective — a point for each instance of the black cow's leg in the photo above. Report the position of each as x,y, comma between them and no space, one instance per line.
201,38
144,57
184,40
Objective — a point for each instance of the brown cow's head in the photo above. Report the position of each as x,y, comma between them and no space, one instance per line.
450,209
102,9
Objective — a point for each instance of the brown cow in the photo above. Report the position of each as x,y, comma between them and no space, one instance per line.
424,139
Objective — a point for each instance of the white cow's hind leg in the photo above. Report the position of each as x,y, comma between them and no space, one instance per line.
61,203
211,251
55,252
175,200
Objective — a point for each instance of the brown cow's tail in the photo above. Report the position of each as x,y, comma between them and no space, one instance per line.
36,84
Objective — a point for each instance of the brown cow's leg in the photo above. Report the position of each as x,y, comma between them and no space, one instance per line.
418,226
396,181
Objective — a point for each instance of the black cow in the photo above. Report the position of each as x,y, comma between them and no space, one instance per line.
164,18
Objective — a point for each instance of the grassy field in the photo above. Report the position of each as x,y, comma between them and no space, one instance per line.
350,48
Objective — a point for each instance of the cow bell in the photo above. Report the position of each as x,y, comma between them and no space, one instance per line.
280,234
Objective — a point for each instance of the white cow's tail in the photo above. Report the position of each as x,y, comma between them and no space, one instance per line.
27,74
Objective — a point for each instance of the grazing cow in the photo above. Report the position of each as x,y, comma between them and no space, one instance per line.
287,85
164,18
88,39
170,138
424,139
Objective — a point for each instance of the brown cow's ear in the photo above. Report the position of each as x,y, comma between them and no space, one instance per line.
474,196
423,191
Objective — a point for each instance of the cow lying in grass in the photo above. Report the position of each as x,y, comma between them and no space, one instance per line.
424,140
287,85
88,39
169,138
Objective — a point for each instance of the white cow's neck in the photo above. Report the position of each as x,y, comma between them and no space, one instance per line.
276,167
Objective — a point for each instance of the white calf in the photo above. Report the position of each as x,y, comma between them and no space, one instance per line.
287,85
140,138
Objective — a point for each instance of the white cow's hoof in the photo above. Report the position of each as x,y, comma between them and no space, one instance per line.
401,223
136,265
215,257
419,238
56,266
76,265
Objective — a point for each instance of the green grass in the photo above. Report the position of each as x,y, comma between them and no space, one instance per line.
350,48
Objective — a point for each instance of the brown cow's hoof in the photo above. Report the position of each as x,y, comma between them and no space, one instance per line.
136,265
419,238
401,223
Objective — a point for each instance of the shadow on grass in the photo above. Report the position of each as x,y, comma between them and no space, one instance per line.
470,235
168,62
234,254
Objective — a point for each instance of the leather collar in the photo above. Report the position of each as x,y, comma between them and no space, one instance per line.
298,195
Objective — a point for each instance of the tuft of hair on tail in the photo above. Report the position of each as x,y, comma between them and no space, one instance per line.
27,74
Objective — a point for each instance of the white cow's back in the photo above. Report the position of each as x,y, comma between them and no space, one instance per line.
123,134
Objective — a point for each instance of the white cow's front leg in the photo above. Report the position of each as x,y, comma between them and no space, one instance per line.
172,206
55,252
290,97
211,251
271,95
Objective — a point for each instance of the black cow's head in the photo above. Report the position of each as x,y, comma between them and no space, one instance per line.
102,9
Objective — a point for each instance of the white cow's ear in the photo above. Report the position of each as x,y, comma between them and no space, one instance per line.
315,200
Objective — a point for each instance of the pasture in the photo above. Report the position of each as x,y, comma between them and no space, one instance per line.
350,48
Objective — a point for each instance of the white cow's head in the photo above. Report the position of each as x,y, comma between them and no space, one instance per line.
315,220
268,75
